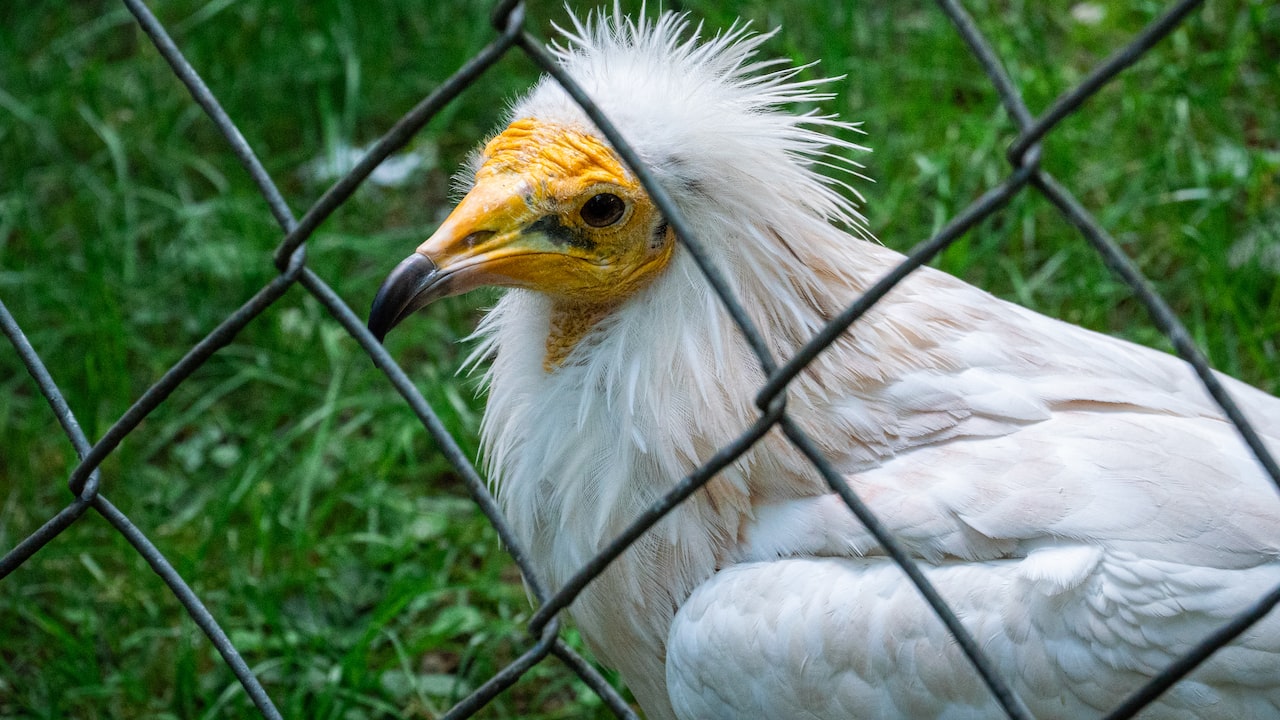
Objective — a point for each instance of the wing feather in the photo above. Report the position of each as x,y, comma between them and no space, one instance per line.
1073,629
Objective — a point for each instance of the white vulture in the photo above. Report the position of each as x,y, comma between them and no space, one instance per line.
1078,500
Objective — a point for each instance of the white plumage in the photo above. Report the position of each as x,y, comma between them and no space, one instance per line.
1079,500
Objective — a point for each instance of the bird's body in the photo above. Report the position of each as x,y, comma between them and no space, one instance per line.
1079,500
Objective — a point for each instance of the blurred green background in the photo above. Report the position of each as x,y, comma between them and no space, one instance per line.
286,480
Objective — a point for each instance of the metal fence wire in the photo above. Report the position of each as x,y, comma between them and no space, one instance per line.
510,35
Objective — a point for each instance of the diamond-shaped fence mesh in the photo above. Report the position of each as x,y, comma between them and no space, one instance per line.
89,488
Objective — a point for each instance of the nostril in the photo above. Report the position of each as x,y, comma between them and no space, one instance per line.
477,237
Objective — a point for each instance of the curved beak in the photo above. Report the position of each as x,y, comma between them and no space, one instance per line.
414,283
480,243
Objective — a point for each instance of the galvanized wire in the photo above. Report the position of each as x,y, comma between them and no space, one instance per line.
544,630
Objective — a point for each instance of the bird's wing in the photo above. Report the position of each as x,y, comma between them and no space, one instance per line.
1167,487
1072,629
1084,551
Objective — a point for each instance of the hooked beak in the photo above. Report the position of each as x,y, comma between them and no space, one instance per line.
480,243
414,283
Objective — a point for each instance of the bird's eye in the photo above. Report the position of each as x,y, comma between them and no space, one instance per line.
603,210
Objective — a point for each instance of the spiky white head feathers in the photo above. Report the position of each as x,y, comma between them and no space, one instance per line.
706,115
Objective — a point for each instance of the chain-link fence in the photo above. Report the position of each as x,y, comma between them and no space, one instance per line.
545,637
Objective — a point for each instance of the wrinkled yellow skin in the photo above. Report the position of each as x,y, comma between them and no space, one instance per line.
521,226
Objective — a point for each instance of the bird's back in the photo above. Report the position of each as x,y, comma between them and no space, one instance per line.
1079,501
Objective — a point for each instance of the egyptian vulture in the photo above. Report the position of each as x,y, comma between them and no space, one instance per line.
1078,500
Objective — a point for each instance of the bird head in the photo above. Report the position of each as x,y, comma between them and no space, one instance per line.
553,209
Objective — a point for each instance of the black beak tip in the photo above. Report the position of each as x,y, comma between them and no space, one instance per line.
401,294
379,333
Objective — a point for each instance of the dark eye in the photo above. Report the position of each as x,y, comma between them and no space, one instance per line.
602,210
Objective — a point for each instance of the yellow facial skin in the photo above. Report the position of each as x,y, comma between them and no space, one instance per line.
552,210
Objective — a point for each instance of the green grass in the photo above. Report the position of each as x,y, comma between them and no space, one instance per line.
288,483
